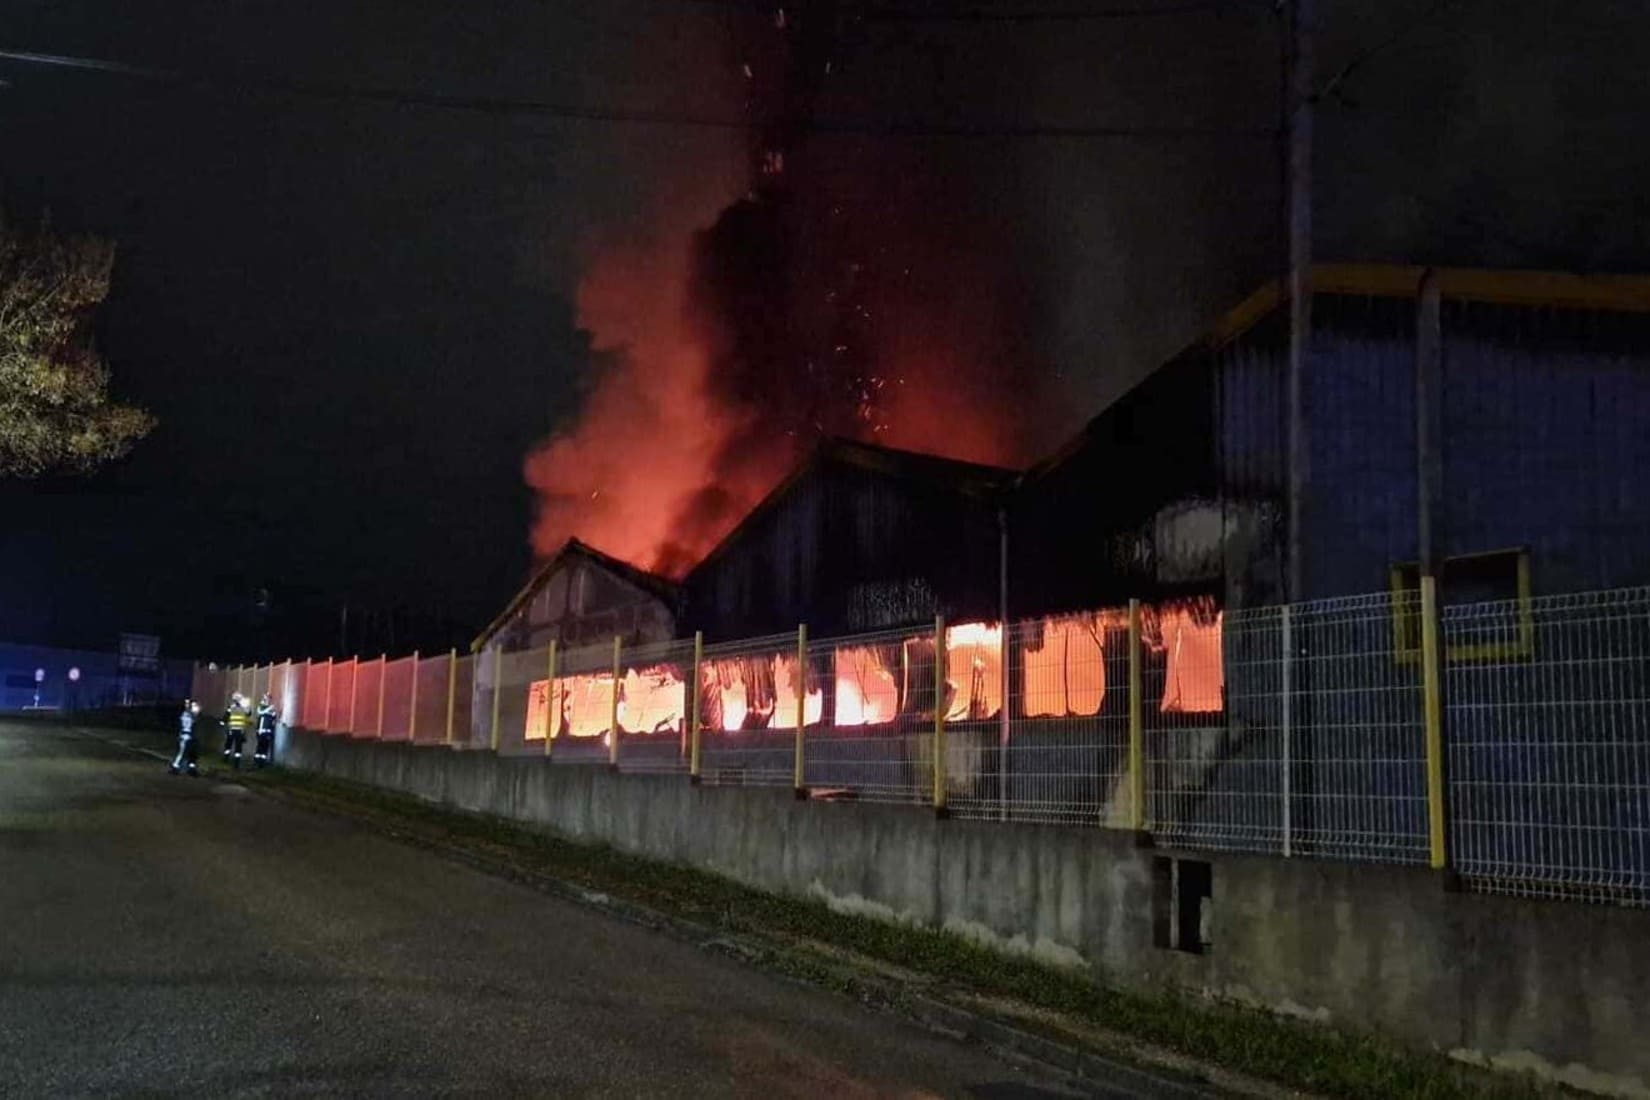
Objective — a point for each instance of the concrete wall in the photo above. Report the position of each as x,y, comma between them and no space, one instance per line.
1560,988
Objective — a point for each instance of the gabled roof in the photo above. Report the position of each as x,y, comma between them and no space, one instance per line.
910,467
1539,289
651,583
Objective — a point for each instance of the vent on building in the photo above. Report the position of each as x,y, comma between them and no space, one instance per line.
1182,904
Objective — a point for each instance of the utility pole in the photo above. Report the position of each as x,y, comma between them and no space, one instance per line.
1301,100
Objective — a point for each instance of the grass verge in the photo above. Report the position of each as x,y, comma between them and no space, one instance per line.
827,947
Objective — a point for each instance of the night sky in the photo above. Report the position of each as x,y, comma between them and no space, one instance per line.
354,319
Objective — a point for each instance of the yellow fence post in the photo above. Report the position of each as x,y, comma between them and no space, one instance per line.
694,731
412,703
498,690
1137,735
452,691
797,769
383,674
551,710
1433,712
939,714
613,710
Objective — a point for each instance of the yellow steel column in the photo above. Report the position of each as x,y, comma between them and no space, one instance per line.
452,691
613,710
551,710
412,704
1137,736
693,711
383,674
1433,712
498,688
797,783
939,713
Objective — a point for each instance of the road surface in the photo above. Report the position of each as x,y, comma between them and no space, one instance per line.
166,936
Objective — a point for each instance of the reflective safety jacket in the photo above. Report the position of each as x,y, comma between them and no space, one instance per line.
236,718
266,718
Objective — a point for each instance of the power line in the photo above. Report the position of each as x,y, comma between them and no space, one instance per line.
883,13
493,105
1064,14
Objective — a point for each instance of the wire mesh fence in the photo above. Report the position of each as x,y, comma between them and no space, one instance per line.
366,699
1547,713
432,699
294,685
515,674
1297,730
397,693
461,727
209,688
1057,753
580,706
653,705
340,702
748,698
870,704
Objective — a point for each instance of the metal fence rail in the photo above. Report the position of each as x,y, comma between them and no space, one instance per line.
1509,741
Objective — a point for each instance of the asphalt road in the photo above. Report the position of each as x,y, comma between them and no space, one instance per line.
163,936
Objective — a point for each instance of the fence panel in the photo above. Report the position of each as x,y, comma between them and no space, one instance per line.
429,717
317,696
289,703
276,685
398,700
1358,764
211,689
1547,723
363,722
1059,752
464,676
341,697
1313,746
1217,728
872,737
578,712
747,701
517,694
653,707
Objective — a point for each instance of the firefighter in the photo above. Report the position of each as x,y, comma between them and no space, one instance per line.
235,721
264,750
185,759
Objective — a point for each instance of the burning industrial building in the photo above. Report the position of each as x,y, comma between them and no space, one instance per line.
850,292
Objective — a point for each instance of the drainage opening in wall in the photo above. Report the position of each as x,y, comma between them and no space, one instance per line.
1182,903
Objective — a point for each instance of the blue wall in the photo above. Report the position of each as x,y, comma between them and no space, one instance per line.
100,684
